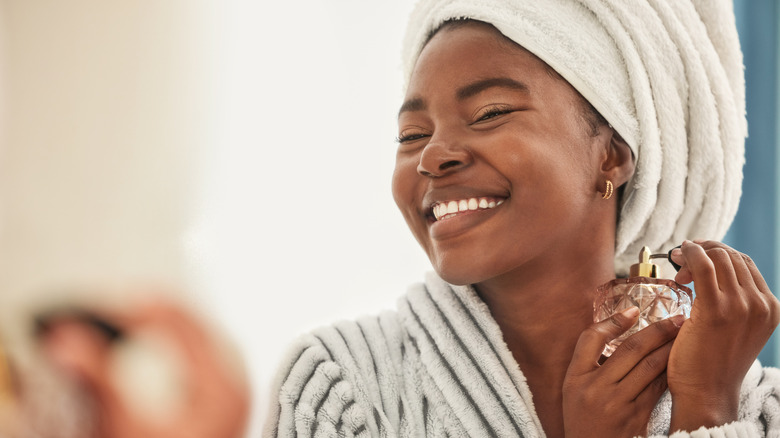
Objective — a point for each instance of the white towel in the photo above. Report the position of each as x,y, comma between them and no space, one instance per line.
666,74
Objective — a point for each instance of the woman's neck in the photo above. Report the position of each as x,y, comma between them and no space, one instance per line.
542,316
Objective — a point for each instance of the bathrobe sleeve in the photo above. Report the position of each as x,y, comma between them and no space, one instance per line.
316,397
759,410
337,381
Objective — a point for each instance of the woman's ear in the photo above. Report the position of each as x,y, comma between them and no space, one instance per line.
618,164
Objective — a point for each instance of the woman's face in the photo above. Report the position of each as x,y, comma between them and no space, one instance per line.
496,168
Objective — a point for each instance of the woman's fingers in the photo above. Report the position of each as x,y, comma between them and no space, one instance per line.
642,379
592,341
642,356
733,316
653,392
758,279
702,271
683,276
740,288
744,276
747,271
621,394
729,263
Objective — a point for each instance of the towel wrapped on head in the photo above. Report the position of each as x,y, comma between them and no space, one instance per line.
666,74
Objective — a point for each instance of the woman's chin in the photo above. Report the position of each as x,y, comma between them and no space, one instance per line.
471,271
473,267
458,277
456,281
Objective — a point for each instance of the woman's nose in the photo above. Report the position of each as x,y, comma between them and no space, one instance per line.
440,158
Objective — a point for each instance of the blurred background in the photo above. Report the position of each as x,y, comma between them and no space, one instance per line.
242,151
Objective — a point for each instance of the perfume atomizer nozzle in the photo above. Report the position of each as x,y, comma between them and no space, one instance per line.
668,256
645,266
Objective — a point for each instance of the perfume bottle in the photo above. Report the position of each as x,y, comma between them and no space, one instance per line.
657,298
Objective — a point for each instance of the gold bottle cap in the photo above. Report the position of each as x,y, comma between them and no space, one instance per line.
644,268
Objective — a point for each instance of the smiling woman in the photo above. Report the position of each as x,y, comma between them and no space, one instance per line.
475,126
520,121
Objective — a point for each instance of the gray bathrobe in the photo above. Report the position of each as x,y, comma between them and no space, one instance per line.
439,367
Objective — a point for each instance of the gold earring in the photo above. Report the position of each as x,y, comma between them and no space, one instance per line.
608,191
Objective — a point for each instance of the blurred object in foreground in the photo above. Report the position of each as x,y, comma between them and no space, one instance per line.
8,397
105,110
36,402
151,369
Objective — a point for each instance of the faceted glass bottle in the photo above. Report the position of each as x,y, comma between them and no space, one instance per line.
656,298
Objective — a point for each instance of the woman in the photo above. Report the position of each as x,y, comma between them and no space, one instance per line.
519,119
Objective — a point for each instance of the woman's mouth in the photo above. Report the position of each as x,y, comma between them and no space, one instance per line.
449,209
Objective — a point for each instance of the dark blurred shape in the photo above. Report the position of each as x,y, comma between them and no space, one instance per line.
44,322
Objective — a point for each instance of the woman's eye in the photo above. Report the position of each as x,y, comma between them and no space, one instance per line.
408,138
492,113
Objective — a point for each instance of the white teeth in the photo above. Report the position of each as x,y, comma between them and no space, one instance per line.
440,210
452,207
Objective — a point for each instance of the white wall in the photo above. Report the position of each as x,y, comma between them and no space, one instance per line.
302,229
288,221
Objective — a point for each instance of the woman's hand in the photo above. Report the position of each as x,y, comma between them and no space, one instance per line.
733,315
617,397
213,399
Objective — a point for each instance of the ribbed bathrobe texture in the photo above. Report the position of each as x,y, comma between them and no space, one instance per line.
438,367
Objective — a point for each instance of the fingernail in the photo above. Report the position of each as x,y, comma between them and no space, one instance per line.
698,241
631,312
686,243
677,252
678,320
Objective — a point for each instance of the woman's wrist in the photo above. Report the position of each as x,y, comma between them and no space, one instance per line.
690,413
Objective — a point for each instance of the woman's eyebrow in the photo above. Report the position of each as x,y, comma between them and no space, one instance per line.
413,104
418,104
482,85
